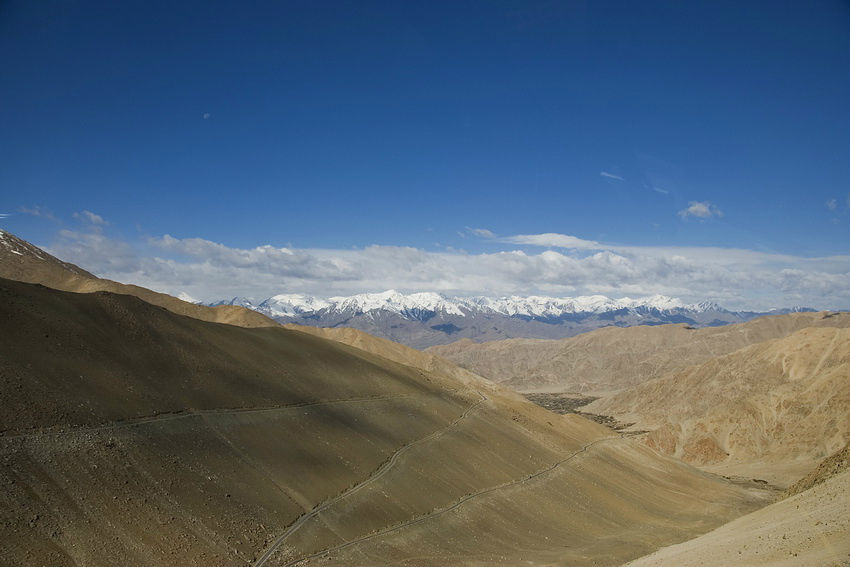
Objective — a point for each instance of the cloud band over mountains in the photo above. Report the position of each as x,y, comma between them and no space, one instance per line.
736,278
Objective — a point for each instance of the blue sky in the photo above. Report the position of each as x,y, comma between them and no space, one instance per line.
651,129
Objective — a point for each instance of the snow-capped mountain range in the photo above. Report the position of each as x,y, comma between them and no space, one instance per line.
417,305
425,319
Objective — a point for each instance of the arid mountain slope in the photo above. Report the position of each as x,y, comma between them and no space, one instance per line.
612,359
405,355
835,464
21,261
771,410
135,436
809,529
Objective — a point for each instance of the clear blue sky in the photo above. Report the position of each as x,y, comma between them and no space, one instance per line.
338,124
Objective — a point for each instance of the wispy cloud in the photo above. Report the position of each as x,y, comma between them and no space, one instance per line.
700,209
737,278
92,219
37,211
5,215
832,204
482,232
554,240
611,176
660,190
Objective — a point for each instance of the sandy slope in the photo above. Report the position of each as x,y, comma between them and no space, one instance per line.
21,261
808,529
612,359
772,410
828,468
135,436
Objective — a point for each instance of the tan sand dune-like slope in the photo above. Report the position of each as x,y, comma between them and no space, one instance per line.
772,410
809,529
21,261
135,436
612,359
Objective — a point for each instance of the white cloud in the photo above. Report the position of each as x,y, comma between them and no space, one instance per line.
199,268
92,248
5,215
88,217
832,204
701,209
611,176
553,240
660,190
482,232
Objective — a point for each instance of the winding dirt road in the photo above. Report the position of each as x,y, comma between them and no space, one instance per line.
193,413
454,506
376,475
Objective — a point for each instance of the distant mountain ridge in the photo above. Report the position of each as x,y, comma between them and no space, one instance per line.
427,319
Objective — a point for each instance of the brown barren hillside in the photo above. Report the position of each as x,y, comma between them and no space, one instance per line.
809,529
613,358
772,410
834,464
21,261
135,436
405,355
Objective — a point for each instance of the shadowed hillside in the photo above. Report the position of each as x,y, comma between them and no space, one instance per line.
135,436
405,355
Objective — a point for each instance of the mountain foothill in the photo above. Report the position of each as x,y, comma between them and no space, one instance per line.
139,429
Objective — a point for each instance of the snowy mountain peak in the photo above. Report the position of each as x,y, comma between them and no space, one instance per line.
414,304
660,302
542,306
291,304
421,306
703,306
424,319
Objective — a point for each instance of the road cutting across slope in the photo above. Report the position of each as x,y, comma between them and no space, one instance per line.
379,472
447,509
198,413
